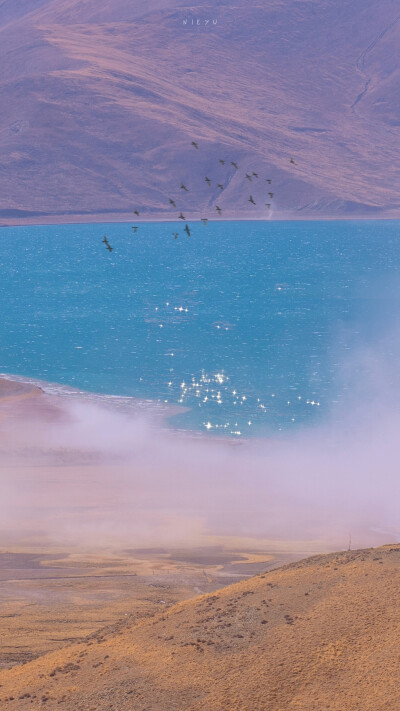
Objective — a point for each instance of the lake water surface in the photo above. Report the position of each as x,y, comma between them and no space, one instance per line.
251,325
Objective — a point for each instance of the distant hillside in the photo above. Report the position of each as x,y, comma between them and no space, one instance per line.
100,102
315,635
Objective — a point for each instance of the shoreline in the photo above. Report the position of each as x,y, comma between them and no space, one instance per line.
11,389
162,413
79,219
54,389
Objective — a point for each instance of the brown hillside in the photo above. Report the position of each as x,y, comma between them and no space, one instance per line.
100,103
317,635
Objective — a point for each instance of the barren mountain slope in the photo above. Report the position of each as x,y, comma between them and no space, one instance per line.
99,108
319,634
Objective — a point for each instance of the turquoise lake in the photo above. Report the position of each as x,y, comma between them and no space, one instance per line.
248,324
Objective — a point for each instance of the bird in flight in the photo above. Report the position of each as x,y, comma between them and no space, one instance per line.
235,165
136,212
106,242
249,177
208,181
176,235
135,229
268,205
195,145
172,202
187,230
222,161
183,187
218,209
255,174
220,186
251,199
269,181
271,195
182,217
204,221
292,160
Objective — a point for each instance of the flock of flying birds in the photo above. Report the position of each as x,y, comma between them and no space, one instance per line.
181,216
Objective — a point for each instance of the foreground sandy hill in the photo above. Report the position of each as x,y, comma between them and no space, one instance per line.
317,635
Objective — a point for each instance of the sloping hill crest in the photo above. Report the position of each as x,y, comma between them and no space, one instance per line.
318,634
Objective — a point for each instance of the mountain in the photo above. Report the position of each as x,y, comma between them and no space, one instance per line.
101,101
318,634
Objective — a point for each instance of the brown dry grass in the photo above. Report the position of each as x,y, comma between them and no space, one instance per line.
317,635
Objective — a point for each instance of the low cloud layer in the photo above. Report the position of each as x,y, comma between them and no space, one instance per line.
75,471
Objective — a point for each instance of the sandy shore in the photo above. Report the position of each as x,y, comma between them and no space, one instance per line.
15,390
